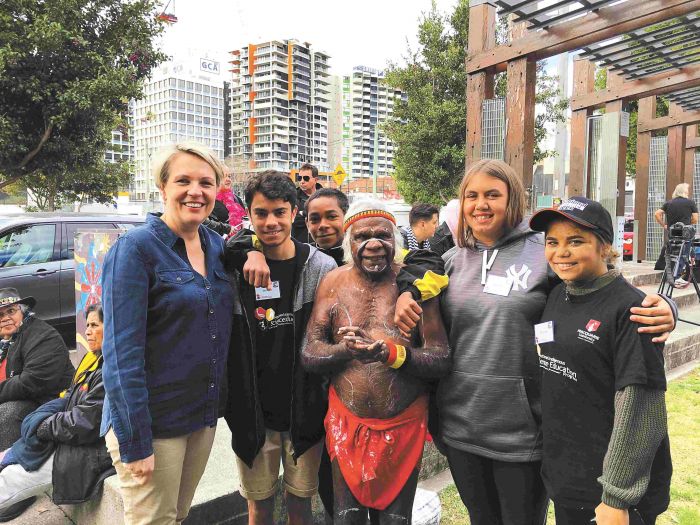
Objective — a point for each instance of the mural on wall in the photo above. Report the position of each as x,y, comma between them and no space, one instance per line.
90,251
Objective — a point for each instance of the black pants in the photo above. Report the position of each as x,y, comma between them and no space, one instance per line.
569,516
11,415
499,492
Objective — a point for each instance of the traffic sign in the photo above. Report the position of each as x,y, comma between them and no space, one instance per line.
339,175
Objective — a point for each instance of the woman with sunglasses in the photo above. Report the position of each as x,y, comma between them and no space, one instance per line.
308,184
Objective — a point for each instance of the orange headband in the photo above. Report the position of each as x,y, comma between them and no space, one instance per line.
382,214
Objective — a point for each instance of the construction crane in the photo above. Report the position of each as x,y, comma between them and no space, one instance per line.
168,17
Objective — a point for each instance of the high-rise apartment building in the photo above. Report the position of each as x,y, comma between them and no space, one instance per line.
367,103
183,100
279,105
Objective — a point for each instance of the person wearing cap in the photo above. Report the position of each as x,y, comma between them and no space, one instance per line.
34,363
603,383
488,406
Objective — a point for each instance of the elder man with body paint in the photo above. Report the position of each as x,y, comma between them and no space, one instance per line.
378,376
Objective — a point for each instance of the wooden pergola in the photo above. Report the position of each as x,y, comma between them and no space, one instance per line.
568,25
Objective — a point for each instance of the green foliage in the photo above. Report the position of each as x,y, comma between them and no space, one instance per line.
428,127
67,71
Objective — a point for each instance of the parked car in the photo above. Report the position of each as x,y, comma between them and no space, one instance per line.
36,258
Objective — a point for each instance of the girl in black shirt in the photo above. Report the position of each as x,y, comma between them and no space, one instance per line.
605,444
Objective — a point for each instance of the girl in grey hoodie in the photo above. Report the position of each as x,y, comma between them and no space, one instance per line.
489,405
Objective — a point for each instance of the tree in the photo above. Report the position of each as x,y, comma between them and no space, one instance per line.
67,71
428,125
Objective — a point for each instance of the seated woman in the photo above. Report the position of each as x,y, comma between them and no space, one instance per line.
34,363
61,445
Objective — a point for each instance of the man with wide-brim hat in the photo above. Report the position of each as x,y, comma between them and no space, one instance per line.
34,363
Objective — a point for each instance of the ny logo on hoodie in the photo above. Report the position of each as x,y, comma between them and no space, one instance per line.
519,278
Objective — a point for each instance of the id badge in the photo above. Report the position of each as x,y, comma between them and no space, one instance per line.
263,294
544,332
498,285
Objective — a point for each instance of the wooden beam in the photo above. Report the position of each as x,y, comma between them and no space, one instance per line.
618,106
683,119
647,108
595,27
691,133
584,79
482,35
692,143
654,85
520,118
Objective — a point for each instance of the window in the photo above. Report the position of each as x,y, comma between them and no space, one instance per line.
27,245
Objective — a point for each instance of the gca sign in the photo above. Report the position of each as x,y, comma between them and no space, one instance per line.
209,66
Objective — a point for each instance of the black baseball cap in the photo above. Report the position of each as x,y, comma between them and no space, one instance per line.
589,214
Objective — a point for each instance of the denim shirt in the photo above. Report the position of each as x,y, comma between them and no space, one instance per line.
166,337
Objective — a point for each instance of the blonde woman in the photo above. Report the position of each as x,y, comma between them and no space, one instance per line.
167,308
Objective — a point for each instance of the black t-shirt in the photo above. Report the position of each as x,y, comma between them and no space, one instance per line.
274,346
596,352
679,209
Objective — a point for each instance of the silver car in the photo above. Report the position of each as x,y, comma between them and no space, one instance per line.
36,258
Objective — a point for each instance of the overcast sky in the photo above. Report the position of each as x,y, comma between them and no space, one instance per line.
355,32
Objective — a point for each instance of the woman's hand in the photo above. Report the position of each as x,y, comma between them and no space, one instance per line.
606,515
141,469
656,313
256,271
407,313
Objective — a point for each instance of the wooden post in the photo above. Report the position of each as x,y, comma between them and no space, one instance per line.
618,107
647,109
482,37
691,134
675,169
584,77
520,118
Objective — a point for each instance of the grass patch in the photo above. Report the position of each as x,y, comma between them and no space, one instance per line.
683,403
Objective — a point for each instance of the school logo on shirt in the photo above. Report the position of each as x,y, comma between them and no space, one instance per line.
587,334
261,313
592,325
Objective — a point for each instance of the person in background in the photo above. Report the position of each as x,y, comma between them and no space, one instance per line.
499,284
423,220
168,305
679,209
34,363
231,201
308,184
444,238
603,383
62,448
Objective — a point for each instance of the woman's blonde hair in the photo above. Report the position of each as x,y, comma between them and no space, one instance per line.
161,167
515,209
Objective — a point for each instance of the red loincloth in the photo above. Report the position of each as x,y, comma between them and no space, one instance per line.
376,456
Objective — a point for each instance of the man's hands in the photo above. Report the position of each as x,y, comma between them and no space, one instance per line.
256,271
362,347
656,313
606,515
407,313
141,469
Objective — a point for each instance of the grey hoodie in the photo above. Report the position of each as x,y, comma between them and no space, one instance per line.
490,402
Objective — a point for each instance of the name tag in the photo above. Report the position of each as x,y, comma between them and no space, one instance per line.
263,294
544,332
498,285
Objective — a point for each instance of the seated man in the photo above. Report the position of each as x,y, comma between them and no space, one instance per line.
377,417
34,363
